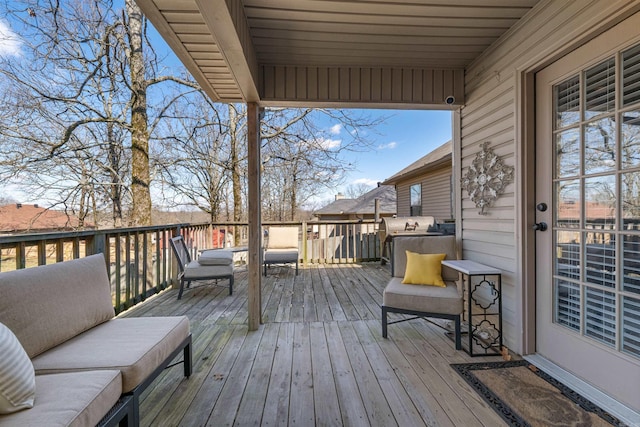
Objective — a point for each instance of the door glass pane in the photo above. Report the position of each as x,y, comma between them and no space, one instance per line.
600,202
567,102
600,146
601,316
631,139
568,254
631,200
568,203
600,252
567,307
567,153
631,263
631,76
631,326
600,93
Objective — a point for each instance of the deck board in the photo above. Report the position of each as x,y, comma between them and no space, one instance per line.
319,357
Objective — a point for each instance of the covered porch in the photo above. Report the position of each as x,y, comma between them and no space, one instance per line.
319,358
496,65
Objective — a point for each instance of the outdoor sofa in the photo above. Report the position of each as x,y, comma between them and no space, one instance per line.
90,368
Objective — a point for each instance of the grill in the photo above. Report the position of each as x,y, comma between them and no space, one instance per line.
403,226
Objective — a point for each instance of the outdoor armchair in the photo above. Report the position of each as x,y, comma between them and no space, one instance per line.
420,286
281,247
212,264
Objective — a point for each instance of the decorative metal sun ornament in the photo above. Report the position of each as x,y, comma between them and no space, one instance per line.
486,178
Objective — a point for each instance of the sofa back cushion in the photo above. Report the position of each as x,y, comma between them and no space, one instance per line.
424,245
47,305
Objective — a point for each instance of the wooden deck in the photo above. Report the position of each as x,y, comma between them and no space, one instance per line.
319,358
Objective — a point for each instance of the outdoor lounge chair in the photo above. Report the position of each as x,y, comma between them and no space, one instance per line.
211,265
419,299
281,247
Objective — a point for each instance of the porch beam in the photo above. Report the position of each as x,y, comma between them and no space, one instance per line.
255,221
229,27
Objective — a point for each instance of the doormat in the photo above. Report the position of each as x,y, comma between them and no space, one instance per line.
523,395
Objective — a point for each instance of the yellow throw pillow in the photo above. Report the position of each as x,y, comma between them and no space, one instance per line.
424,269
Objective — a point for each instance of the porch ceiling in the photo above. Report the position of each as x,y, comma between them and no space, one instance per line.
332,51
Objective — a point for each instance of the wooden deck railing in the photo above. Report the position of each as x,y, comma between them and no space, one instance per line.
140,262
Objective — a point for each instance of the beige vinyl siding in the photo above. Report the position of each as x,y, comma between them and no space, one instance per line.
436,194
403,199
490,114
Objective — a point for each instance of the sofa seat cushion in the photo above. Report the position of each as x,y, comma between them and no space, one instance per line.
70,399
134,346
428,299
216,257
281,255
194,270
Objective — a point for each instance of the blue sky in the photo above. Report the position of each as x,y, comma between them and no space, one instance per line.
404,137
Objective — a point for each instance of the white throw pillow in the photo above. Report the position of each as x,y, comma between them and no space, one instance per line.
17,377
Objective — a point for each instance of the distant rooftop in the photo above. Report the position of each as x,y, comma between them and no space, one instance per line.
23,218
364,204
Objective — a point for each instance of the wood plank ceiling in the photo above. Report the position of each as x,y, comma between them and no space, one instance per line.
308,51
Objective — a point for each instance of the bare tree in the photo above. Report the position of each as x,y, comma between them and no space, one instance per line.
353,191
82,85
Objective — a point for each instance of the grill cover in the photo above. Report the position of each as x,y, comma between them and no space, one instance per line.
405,225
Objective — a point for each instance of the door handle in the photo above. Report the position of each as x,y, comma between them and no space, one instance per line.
540,226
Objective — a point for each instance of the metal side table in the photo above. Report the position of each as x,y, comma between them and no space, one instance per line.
484,306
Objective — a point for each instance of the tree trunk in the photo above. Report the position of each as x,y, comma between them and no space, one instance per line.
235,172
115,192
140,176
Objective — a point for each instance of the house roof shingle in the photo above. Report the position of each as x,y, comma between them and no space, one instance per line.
433,160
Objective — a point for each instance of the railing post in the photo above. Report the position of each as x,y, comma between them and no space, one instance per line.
99,244
174,262
304,243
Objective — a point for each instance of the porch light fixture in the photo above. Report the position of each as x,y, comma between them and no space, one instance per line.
486,178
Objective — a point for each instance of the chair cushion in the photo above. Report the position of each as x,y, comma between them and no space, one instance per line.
424,269
216,257
283,238
281,255
135,346
428,299
17,377
194,270
73,295
70,399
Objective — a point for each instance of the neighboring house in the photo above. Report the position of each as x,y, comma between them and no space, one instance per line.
425,187
22,218
550,86
361,208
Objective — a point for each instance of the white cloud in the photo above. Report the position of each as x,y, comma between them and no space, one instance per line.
328,144
389,146
336,129
9,41
367,181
